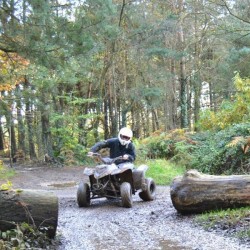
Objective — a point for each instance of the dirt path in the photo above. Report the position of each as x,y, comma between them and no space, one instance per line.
105,225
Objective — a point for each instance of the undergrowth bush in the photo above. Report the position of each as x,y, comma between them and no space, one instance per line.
24,236
233,111
174,145
223,152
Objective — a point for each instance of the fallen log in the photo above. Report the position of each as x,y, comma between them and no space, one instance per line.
39,208
196,192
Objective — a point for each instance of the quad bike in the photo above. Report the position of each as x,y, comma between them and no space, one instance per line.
115,182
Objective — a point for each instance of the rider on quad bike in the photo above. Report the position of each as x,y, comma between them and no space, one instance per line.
120,146
116,178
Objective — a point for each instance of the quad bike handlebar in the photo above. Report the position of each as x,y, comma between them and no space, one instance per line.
105,160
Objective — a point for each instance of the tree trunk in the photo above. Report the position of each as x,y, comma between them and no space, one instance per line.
20,126
84,109
182,76
13,146
46,130
1,135
196,192
29,121
36,207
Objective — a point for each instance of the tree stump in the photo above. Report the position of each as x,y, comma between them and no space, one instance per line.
36,207
196,192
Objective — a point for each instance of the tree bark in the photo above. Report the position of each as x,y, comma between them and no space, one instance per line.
29,121
182,76
1,135
36,207
20,119
46,129
196,192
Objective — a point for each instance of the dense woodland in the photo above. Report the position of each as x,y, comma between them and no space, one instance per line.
73,72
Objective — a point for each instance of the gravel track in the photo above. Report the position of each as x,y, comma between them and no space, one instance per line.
105,225
152,225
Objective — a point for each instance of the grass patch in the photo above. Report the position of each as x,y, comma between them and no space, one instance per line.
5,173
162,171
235,221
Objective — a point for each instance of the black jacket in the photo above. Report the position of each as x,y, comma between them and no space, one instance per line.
116,149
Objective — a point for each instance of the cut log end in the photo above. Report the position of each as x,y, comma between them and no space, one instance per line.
36,207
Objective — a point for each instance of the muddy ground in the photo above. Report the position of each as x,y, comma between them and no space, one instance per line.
105,225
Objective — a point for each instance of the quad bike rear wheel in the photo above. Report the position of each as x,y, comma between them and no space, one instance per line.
149,193
126,195
83,194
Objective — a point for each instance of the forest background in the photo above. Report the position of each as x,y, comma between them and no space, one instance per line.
176,72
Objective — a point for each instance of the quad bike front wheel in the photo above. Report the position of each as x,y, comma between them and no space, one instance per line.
83,194
126,195
148,194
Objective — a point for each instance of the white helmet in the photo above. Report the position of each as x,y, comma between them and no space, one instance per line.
125,135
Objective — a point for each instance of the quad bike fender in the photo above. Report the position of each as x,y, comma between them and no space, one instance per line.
88,171
100,170
104,170
143,168
120,171
139,177
122,168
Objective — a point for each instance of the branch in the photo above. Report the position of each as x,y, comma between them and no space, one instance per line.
234,15
6,50
121,13
7,10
